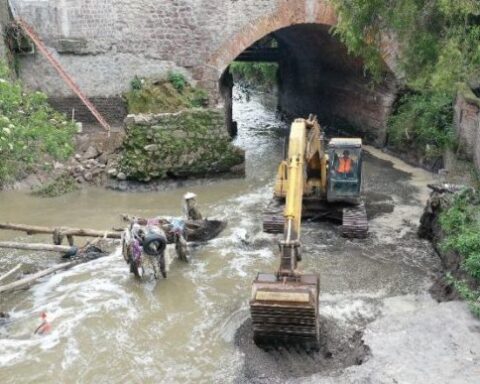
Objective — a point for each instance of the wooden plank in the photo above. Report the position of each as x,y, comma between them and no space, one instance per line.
66,231
29,280
35,247
11,272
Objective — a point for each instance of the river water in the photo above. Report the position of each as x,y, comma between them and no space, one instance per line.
110,328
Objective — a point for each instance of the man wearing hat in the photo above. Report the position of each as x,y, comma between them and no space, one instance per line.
191,206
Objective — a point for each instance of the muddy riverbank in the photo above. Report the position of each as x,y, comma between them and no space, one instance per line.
380,324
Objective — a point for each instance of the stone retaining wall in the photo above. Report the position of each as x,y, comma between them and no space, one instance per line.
178,145
467,123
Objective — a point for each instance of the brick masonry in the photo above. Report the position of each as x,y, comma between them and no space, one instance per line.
113,109
105,43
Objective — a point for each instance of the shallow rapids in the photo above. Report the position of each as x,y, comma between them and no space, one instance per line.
110,328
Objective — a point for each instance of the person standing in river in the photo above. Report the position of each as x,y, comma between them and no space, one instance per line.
45,327
191,209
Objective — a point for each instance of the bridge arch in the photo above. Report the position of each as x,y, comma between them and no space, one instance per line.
317,75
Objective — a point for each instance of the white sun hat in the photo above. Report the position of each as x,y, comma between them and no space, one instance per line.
189,195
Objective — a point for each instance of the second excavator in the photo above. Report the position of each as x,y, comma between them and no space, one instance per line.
284,305
332,183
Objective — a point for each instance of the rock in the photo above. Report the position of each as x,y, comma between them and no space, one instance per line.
123,186
121,176
90,153
57,165
178,134
88,176
112,172
103,158
79,169
78,156
151,147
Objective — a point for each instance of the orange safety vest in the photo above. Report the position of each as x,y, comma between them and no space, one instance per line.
345,165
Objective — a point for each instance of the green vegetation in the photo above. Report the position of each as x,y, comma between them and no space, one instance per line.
178,81
262,76
461,224
31,132
423,122
169,95
60,186
439,48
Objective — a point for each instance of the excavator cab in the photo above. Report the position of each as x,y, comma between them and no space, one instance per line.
345,170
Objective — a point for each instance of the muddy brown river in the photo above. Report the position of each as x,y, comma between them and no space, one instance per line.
379,323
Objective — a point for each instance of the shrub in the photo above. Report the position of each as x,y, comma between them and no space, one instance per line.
136,84
199,98
31,132
461,224
254,75
177,80
60,186
424,122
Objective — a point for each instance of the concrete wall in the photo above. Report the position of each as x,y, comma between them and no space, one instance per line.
105,43
467,123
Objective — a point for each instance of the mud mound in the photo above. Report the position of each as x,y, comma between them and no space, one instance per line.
340,348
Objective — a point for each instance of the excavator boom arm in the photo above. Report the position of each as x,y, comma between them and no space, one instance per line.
296,173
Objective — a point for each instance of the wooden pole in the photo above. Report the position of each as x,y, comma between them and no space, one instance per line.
65,231
32,278
35,247
11,272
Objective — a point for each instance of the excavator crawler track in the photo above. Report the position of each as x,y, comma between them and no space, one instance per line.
285,313
355,222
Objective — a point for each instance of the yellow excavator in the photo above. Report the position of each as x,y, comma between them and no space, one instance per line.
332,182
284,305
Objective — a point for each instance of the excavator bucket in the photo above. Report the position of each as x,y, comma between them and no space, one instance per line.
285,312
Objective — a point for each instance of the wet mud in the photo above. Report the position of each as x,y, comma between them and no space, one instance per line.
340,347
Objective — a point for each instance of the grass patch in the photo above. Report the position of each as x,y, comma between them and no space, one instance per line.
60,186
170,95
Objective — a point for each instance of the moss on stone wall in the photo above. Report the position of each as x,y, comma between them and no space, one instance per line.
187,143
167,95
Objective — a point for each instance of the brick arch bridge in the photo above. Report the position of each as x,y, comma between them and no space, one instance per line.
105,43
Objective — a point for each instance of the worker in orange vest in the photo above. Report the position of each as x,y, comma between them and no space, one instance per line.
345,164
